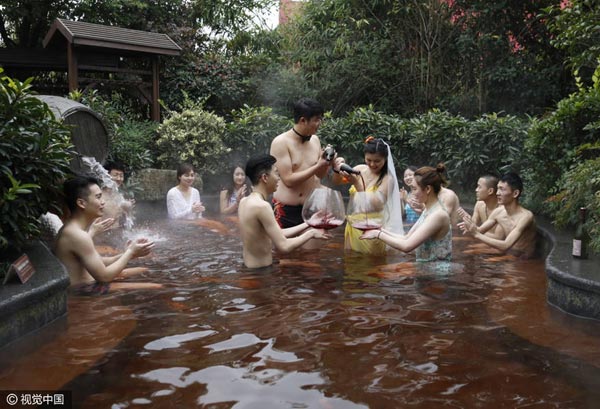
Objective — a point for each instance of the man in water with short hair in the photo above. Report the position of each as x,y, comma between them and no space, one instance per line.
517,223
487,202
258,227
90,273
116,206
300,162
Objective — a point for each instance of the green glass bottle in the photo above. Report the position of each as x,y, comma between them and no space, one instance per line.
581,239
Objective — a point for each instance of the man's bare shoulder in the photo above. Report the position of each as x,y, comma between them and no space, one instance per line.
281,139
71,236
68,230
497,212
479,206
527,216
254,203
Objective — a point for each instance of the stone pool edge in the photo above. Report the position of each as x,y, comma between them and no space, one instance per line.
25,308
571,285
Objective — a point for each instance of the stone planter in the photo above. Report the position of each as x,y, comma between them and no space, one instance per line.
42,299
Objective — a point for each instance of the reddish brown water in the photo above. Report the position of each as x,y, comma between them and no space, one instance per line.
322,329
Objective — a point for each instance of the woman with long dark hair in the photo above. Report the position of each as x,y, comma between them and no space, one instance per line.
237,188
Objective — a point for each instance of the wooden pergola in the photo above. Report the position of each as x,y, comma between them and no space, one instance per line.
79,48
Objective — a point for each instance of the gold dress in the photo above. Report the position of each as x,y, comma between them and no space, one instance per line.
351,235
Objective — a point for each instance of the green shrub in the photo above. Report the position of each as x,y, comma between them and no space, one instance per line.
347,134
251,131
581,188
551,147
131,144
35,151
469,148
194,136
434,136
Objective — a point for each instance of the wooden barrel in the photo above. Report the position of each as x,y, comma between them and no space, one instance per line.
88,132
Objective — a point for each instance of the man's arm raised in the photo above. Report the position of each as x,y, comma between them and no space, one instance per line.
276,234
83,248
294,230
410,242
469,226
512,237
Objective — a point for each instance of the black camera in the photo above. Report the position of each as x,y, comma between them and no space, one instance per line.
328,153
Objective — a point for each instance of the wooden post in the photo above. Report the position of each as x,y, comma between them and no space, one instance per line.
155,90
72,73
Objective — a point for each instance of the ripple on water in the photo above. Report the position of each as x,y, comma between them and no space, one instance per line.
175,341
325,333
235,306
264,388
235,342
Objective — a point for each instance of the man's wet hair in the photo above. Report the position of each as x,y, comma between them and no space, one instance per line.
514,181
78,187
307,108
259,165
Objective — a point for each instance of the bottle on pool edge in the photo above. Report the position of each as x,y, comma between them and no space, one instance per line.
582,238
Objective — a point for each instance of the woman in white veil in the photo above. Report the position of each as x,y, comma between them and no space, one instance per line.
377,177
393,205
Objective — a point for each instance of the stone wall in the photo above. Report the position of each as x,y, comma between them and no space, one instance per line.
155,183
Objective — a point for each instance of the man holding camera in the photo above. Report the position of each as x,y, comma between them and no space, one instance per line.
300,161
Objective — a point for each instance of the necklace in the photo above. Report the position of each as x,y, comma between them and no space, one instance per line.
303,137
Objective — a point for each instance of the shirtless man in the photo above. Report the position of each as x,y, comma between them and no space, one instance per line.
258,227
116,206
90,273
300,162
517,223
487,202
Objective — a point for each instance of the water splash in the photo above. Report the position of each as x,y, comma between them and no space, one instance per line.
134,234
98,171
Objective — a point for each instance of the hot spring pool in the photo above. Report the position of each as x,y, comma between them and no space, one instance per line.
321,329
